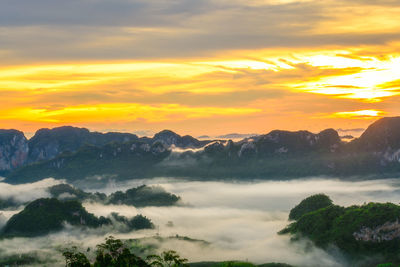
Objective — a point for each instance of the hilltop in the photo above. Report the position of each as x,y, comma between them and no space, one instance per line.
76,153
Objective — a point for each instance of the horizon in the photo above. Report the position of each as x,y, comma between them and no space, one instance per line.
355,132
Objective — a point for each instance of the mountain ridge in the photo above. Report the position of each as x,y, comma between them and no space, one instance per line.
278,154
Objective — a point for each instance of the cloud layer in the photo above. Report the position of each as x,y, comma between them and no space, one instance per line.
240,220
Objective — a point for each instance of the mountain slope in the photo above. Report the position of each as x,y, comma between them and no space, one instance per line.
128,160
49,214
46,144
13,150
370,230
276,155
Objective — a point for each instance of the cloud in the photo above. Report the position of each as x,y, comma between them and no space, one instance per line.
235,136
158,29
239,219
27,192
351,130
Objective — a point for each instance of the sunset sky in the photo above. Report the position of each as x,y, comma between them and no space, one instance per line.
198,66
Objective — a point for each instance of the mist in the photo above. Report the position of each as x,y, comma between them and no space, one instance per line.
241,220
22,193
231,220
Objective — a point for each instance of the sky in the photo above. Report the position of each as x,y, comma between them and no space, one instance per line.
199,67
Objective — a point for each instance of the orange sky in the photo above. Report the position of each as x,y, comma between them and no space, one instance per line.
198,67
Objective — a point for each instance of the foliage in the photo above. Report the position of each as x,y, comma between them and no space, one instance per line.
113,252
336,225
168,258
143,196
237,264
273,264
312,203
138,222
62,190
127,160
48,214
74,258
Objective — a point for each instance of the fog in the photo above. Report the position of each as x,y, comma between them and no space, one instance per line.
22,193
239,220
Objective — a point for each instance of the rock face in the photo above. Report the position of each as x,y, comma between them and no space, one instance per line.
169,138
46,144
285,142
276,154
386,232
129,160
381,136
13,150
382,139
369,230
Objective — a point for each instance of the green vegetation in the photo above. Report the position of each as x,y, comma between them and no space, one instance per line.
113,252
127,160
48,214
66,191
138,222
43,216
236,264
367,230
141,196
309,204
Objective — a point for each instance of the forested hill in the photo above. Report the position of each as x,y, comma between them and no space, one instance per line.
75,153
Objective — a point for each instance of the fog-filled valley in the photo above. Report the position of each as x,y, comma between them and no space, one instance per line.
212,221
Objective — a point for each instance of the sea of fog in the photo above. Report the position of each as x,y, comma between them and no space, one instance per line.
240,220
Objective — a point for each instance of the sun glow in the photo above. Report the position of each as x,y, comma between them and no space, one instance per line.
125,112
362,114
152,92
367,84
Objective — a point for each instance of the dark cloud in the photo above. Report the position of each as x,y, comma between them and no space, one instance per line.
86,29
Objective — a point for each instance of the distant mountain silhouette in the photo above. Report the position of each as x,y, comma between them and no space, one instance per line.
75,153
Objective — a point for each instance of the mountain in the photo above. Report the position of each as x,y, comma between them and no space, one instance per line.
13,150
127,160
367,232
141,196
382,140
46,215
169,138
236,136
285,142
381,136
310,204
275,155
46,144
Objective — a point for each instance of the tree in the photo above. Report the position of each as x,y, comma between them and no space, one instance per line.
114,253
74,258
168,258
